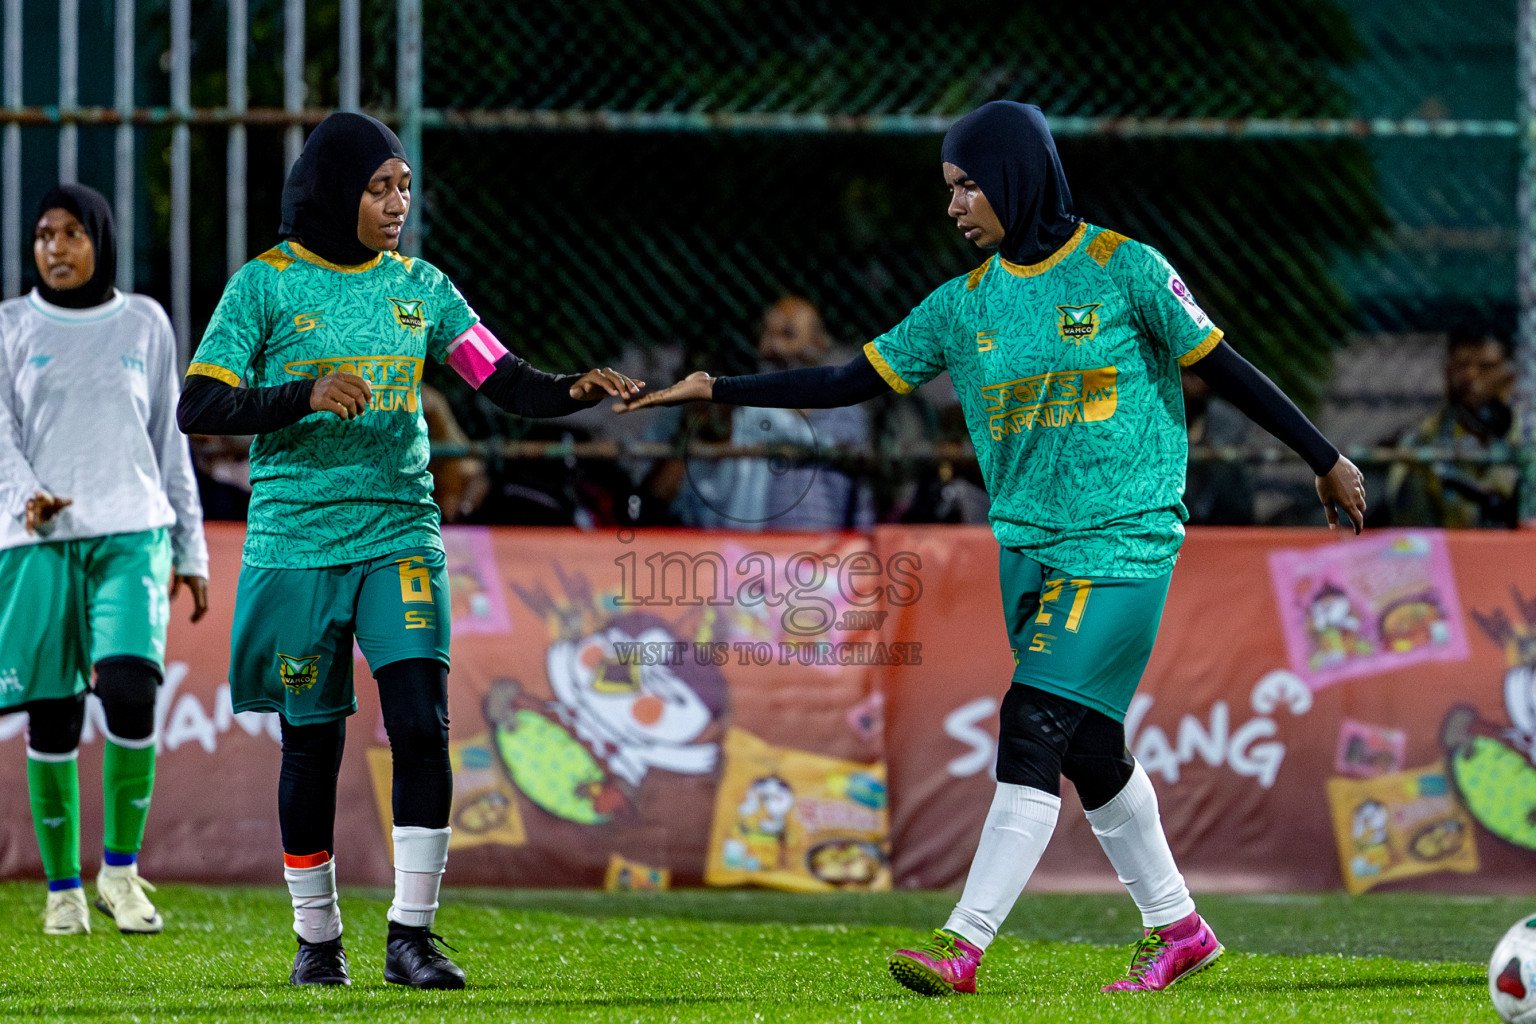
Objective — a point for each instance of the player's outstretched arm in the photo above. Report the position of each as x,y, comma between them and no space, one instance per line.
816,387
1340,484
519,387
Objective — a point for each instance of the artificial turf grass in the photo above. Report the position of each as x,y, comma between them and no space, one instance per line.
752,955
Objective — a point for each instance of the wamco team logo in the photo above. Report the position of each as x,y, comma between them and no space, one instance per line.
1078,324
408,313
298,674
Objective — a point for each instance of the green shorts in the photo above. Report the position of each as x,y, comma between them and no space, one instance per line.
291,651
66,605
1085,638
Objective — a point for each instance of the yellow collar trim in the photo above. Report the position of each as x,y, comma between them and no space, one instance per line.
1035,269
320,261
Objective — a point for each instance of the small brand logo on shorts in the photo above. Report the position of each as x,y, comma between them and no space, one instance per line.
408,313
1078,324
298,674
10,681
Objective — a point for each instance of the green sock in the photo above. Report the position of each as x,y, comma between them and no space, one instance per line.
55,790
127,778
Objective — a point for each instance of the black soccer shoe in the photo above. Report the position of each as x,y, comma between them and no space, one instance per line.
320,963
411,957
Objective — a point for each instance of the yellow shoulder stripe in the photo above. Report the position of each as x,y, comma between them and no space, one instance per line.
276,259
216,372
1201,350
401,259
1104,245
976,276
883,368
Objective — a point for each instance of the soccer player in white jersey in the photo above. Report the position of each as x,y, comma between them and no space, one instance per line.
100,515
1065,348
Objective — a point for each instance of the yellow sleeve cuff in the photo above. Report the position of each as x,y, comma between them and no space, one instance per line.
216,372
883,368
1201,350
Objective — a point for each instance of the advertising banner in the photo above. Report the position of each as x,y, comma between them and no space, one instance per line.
818,711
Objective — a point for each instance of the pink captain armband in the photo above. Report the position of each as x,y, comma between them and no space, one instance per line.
473,354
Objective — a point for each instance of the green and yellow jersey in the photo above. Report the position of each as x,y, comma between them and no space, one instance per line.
327,491
1068,373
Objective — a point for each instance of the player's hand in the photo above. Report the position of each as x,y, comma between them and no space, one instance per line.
42,507
607,381
344,394
696,387
199,589
1343,487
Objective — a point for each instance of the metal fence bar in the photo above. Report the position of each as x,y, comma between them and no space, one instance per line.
10,157
235,161
122,92
521,119
349,80
181,179
873,456
293,79
69,91
408,87
1525,345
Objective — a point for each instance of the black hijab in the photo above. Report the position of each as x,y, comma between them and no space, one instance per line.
1007,150
90,208
326,184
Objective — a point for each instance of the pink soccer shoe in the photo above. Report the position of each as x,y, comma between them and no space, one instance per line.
945,963
1159,963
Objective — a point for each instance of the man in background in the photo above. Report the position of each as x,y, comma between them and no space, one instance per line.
1476,420
773,493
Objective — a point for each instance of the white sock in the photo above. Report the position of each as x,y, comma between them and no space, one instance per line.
1131,832
1018,826
421,856
316,914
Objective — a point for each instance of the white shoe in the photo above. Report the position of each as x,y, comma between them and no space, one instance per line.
67,913
120,892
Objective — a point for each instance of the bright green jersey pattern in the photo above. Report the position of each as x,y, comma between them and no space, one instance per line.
327,491
1068,372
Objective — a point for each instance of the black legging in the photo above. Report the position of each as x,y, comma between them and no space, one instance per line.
414,697
1042,737
126,687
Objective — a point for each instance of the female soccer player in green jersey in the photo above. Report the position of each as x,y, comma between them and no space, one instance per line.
1065,348
99,504
317,347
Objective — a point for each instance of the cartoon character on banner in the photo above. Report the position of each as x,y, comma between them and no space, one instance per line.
762,826
1333,626
1368,828
1494,764
583,755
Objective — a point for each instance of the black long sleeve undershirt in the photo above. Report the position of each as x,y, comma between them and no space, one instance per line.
523,390
210,406
816,387
1256,396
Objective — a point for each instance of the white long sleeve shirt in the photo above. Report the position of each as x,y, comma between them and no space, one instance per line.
88,411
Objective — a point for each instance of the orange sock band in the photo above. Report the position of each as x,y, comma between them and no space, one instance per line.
306,860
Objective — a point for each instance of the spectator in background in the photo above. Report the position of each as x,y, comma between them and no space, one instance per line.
459,482
223,466
1476,419
1216,493
773,493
